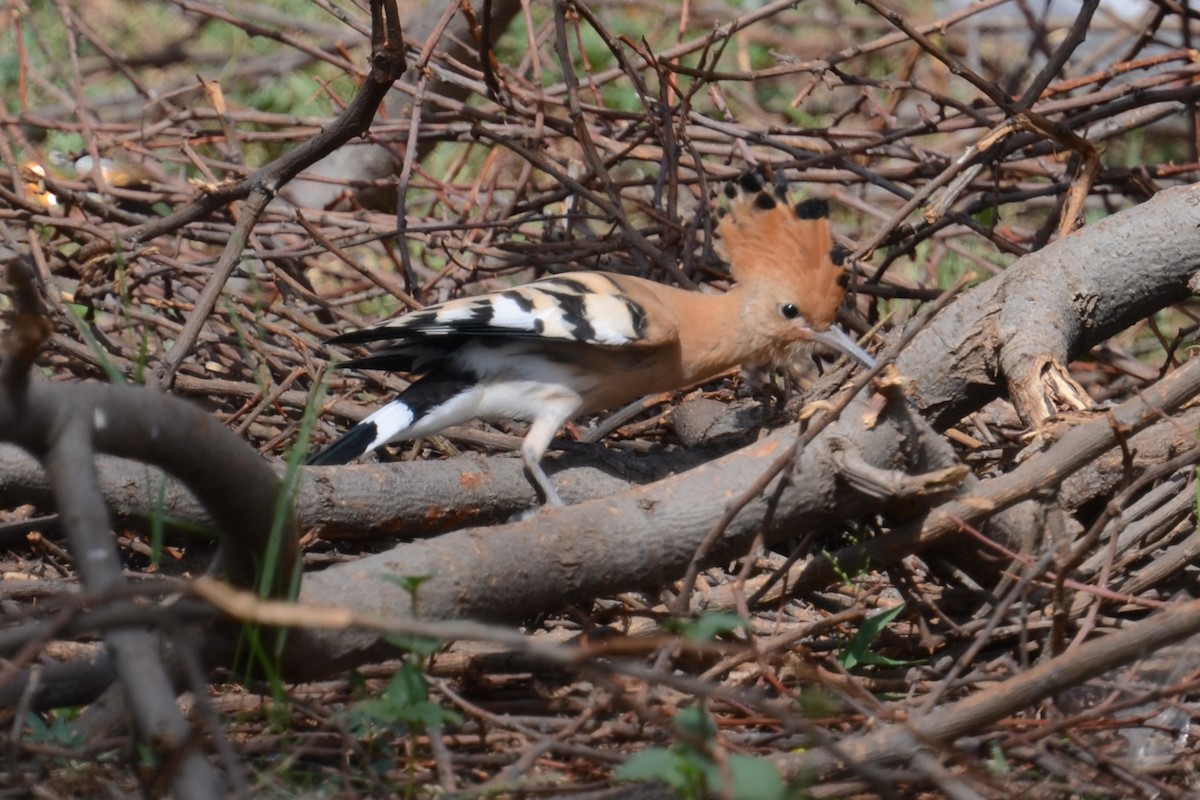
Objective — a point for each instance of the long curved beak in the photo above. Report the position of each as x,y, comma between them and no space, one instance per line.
836,338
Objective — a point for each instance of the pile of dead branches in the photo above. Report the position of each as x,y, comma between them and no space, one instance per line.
967,573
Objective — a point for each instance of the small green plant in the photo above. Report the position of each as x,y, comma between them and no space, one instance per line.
411,584
706,627
80,320
259,651
855,569
695,768
816,702
56,730
998,764
858,650
405,705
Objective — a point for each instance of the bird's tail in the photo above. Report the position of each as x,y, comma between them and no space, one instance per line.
386,424
428,405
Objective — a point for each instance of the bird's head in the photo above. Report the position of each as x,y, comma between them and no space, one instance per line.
790,272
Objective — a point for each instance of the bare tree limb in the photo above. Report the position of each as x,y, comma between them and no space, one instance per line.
1051,306
944,724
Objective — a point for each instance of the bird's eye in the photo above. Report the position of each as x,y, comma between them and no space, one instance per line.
789,310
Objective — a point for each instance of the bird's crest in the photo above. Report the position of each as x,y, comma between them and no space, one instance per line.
768,241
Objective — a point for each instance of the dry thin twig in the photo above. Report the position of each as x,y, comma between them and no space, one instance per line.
535,139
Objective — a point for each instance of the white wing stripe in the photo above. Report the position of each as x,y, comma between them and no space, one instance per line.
455,312
507,313
611,320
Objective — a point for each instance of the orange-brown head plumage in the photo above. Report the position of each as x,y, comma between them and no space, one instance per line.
790,248
789,277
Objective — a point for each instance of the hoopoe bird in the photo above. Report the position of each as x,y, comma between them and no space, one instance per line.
582,342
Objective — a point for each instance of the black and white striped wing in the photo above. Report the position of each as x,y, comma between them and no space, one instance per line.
586,307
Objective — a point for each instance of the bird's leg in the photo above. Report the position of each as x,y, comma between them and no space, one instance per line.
541,480
554,415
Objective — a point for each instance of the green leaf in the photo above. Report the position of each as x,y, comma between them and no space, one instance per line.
408,686
80,320
409,583
998,764
985,216
681,769
694,722
877,660
417,645
857,650
816,702
753,779
58,731
707,627
406,702
691,775
651,764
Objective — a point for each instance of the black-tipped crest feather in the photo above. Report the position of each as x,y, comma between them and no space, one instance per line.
751,181
813,208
